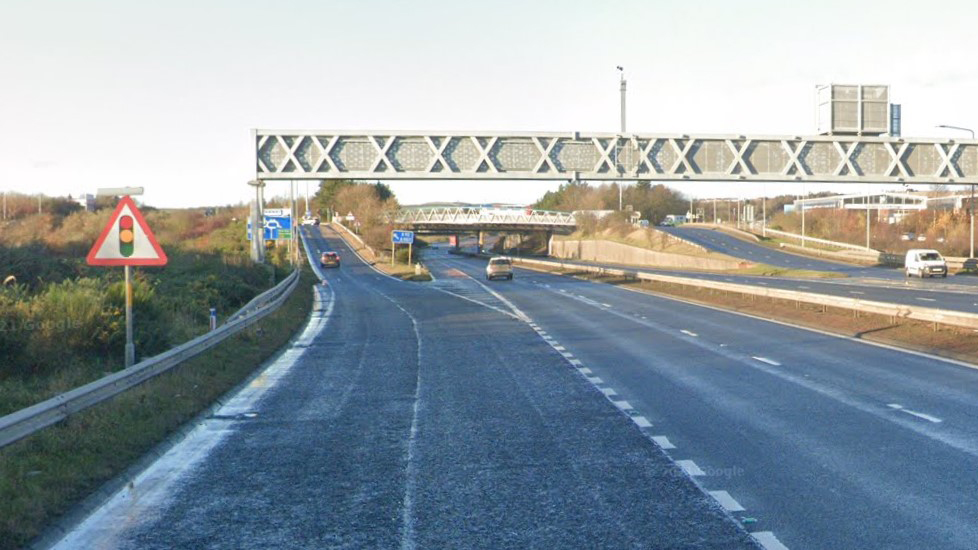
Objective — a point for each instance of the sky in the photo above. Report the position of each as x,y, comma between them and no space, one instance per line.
163,94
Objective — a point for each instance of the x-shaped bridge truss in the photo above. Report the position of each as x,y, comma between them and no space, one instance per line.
577,156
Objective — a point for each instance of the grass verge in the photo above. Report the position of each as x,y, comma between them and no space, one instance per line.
400,270
933,338
772,271
43,476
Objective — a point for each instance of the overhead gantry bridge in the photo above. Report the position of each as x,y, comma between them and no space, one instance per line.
573,156
332,154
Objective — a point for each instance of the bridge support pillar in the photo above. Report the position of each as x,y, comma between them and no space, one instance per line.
550,243
458,242
482,240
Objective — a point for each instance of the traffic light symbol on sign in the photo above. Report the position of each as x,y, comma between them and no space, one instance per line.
126,236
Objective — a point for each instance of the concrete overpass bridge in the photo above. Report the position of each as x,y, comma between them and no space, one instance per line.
458,220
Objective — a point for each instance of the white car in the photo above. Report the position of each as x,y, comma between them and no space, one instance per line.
500,267
925,263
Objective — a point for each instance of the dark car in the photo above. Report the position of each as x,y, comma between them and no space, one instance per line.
329,259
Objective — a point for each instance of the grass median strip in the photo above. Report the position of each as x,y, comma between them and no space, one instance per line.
43,476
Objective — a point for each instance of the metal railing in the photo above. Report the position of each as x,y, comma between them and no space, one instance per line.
477,215
900,311
30,420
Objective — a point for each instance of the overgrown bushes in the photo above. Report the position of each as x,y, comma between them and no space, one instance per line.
63,323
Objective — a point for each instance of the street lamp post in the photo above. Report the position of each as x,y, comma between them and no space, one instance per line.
621,70
971,205
257,227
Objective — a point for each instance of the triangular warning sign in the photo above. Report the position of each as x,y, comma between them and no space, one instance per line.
126,240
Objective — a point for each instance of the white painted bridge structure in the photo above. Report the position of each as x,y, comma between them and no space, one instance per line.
477,218
333,154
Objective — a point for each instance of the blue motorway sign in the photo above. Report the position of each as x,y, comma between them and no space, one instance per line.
402,237
276,227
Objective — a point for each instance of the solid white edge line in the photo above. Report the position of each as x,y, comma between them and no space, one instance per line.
768,541
726,501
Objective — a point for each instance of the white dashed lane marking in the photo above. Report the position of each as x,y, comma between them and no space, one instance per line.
623,405
576,362
641,422
585,370
927,417
608,391
595,380
689,333
663,442
926,299
690,468
768,541
766,360
727,501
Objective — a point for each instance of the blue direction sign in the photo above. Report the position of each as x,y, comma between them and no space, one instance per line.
402,237
276,227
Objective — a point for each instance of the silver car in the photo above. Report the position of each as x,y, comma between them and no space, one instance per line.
499,267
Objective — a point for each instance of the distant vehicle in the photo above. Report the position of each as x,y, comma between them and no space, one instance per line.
925,263
908,237
329,259
499,267
310,220
673,219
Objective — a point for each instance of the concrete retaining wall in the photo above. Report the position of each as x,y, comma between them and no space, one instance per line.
612,252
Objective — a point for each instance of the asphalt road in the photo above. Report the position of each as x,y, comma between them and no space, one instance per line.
956,293
732,246
826,442
415,416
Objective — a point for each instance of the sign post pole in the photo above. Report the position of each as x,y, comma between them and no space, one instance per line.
401,237
126,241
130,346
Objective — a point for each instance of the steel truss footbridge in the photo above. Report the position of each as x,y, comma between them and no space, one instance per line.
476,218
333,154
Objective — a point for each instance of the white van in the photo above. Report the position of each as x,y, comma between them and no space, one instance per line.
925,263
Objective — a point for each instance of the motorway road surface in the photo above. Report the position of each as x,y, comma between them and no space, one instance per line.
412,416
828,442
738,248
912,292
957,293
